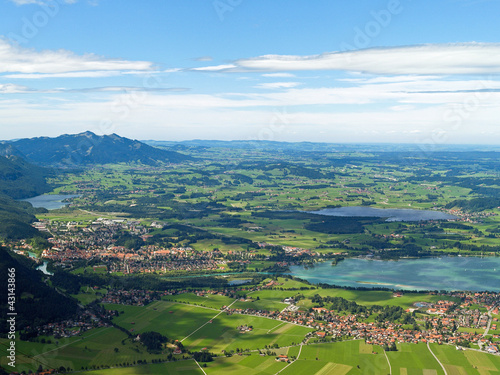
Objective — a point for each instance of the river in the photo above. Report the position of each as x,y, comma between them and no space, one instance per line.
445,273
43,268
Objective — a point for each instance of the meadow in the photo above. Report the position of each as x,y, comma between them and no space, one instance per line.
93,349
184,367
413,359
459,362
186,323
349,357
209,300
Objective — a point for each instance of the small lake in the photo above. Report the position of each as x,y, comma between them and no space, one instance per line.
50,201
392,214
446,273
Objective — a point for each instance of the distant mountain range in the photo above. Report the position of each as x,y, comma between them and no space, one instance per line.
321,146
87,149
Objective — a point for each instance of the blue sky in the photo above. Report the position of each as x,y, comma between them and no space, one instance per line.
329,71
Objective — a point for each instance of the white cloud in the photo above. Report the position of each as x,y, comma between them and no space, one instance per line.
279,75
277,85
203,58
10,88
87,74
396,108
215,68
388,79
429,59
274,123
16,59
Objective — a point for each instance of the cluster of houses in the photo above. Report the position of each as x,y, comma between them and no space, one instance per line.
74,241
165,265
328,323
131,297
471,217
84,321
245,328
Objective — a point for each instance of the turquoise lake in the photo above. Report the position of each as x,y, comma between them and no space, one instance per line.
446,273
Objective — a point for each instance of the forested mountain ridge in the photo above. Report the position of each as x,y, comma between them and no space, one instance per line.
20,179
40,303
88,149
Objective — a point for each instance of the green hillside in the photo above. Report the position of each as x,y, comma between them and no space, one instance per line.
20,179
36,303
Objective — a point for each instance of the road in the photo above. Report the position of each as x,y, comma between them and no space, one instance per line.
291,363
490,318
388,362
437,359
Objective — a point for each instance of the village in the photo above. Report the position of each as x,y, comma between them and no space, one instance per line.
71,242
440,325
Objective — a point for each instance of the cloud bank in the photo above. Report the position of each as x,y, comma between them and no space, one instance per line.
429,59
15,59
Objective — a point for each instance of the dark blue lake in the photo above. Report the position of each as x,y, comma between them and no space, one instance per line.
392,214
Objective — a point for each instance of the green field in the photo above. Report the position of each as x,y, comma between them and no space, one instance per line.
222,334
245,364
458,362
188,367
338,358
213,301
94,348
88,295
183,322
262,304
413,359
174,320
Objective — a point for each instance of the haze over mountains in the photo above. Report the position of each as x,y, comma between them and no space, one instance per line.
305,146
87,149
